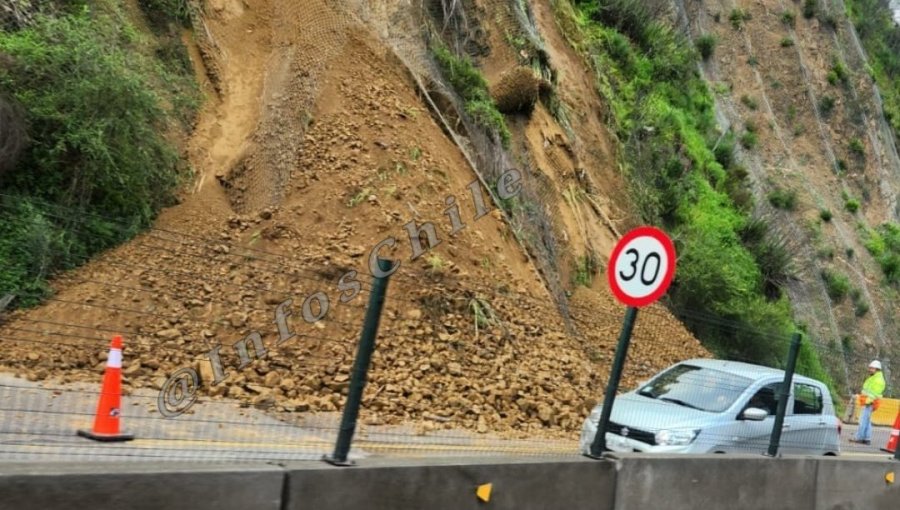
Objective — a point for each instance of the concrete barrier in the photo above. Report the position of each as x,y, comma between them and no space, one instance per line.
854,484
573,483
715,481
140,486
621,482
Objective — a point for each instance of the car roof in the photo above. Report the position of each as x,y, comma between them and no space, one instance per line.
743,369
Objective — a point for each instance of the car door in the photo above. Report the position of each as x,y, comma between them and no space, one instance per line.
746,436
805,426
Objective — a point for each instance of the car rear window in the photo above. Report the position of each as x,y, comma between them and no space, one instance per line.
696,387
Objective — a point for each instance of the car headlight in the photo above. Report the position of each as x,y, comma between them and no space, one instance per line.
594,417
676,437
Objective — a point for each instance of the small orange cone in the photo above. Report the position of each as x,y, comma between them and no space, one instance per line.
107,420
895,436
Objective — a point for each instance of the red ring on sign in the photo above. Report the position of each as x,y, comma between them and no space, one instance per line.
669,248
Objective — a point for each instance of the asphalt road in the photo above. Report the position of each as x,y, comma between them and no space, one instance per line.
38,422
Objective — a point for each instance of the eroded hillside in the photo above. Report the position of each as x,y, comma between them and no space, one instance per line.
329,127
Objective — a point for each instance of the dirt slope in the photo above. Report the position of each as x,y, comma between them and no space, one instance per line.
318,146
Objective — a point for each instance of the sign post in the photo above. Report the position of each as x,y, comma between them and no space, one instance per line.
640,271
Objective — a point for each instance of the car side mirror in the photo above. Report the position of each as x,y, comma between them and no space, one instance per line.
754,414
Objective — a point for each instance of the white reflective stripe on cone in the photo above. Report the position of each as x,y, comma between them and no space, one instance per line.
115,358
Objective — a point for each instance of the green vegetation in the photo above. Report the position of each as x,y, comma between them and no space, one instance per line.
749,139
860,305
837,284
749,102
881,38
857,148
884,244
809,8
789,18
162,12
838,73
586,268
787,42
825,215
683,178
737,17
471,86
98,102
705,45
826,105
852,205
783,199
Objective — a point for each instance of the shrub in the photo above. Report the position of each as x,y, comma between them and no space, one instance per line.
857,148
96,110
788,18
737,17
852,205
825,215
783,199
787,42
468,82
705,45
826,105
809,8
837,284
749,140
749,102
163,12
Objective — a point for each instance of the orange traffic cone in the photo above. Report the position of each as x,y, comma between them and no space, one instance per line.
895,436
107,421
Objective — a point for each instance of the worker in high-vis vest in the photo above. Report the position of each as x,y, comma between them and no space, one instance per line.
872,390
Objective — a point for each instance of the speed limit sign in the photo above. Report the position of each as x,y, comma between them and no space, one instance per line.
641,266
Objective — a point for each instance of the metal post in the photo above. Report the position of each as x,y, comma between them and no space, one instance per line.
599,444
775,439
360,368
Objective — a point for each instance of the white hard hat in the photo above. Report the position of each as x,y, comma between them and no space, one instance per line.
875,364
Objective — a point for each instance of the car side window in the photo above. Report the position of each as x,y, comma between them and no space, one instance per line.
766,398
807,399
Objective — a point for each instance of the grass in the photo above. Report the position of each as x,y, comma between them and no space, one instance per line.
836,284
857,148
359,198
883,243
737,17
471,86
435,263
782,198
705,45
586,268
749,139
789,18
826,105
749,102
809,8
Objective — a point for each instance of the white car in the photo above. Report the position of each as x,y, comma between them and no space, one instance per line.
714,406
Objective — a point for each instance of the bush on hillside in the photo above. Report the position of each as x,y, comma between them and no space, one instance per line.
95,123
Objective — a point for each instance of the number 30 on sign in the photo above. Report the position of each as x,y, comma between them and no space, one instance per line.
641,266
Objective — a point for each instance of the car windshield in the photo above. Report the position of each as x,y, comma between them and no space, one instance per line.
700,388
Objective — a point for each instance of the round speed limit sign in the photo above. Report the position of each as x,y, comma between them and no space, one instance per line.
641,266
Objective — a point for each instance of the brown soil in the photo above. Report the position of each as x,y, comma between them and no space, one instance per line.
317,148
